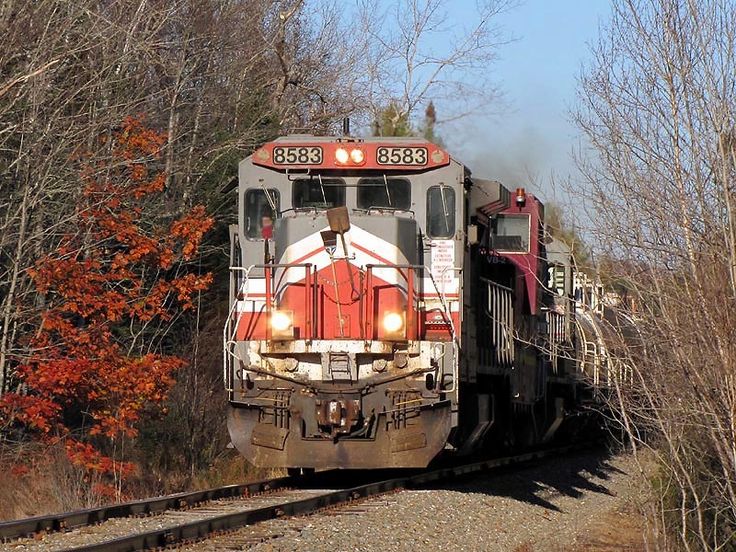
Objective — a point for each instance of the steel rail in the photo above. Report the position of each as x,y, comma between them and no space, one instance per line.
179,501
201,529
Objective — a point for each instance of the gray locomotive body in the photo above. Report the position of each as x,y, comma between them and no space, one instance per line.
387,306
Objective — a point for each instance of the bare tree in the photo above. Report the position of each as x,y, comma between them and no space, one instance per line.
219,77
414,55
658,105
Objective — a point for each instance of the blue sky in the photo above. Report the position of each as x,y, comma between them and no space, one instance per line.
529,137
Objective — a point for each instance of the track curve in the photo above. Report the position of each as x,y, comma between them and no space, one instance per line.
189,517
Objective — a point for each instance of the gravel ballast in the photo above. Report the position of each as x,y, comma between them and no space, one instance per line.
583,501
122,527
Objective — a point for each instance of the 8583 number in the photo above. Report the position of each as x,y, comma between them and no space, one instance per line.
401,156
311,155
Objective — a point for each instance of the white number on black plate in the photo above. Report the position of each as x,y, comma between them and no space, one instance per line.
305,155
401,156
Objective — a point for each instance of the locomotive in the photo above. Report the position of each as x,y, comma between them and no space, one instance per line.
388,306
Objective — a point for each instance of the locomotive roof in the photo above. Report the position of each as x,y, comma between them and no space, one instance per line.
329,139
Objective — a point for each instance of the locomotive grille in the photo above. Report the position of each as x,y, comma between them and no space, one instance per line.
499,314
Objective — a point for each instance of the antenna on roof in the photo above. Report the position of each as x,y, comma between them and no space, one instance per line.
346,126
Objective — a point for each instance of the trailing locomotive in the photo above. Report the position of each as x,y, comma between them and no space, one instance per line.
387,305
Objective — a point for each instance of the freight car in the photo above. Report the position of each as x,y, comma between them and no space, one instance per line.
387,305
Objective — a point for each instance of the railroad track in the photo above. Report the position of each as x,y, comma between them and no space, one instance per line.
188,517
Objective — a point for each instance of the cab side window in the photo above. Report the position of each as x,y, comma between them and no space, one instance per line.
512,233
440,212
260,212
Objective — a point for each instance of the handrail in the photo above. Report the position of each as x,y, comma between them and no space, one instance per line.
423,268
230,329
228,322
310,311
487,281
448,315
410,300
443,302
441,294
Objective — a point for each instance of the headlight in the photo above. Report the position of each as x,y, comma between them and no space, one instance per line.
280,321
393,322
342,155
357,156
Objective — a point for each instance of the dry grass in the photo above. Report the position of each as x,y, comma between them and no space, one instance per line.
232,469
40,480
621,531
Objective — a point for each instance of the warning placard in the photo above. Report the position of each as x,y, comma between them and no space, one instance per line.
443,261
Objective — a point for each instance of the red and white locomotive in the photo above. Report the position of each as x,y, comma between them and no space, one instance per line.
387,306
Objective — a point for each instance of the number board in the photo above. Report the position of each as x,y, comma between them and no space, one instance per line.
401,156
289,155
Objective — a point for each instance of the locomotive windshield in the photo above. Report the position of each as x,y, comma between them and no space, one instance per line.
318,193
440,212
386,193
512,233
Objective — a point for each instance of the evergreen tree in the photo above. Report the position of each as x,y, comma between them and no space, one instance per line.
430,119
392,121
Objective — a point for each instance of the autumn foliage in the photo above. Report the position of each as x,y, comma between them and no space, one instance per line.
98,361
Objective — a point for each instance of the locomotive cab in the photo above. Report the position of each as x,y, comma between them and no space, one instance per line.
340,348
